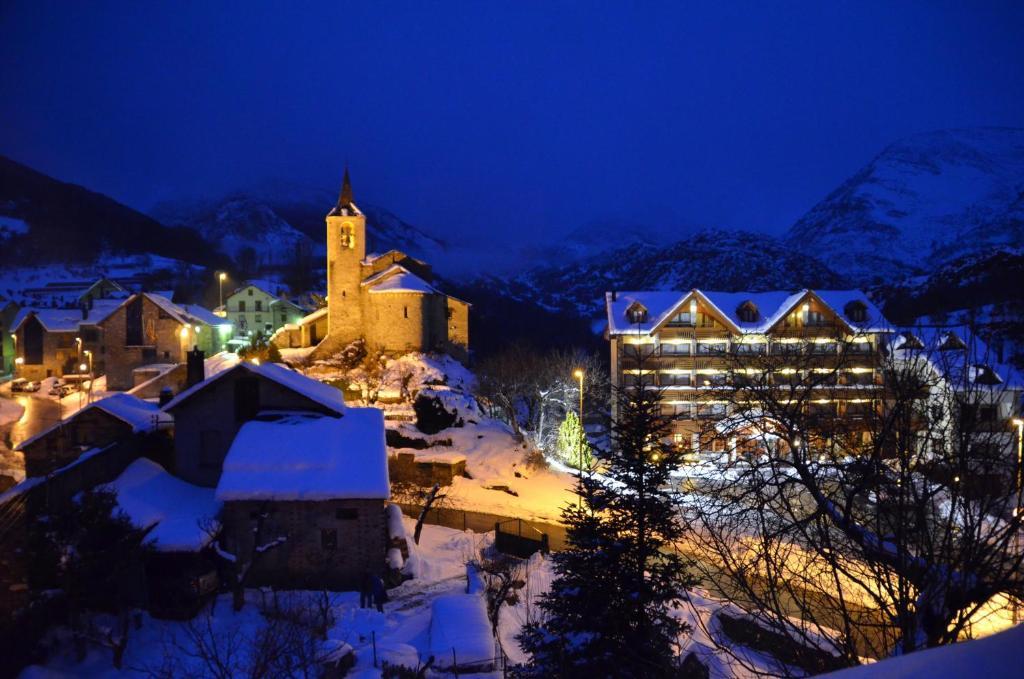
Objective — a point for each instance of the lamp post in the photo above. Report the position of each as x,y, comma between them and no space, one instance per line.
14,339
78,350
88,355
1019,423
221,277
81,372
578,374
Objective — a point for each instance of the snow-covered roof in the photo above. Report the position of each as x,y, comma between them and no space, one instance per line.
316,315
138,414
396,278
169,307
68,319
204,315
289,456
180,513
768,307
318,392
458,625
957,354
992,656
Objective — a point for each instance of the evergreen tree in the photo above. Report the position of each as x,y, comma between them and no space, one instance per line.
572,445
610,608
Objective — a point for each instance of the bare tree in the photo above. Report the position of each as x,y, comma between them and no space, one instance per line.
863,502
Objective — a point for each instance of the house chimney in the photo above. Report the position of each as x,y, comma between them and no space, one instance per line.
85,310
615,295
195,371
165,396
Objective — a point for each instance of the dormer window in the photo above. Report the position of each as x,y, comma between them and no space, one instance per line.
637,313
747,312
857,311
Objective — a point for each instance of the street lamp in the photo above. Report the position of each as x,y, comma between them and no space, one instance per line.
221,277
578,374
78,342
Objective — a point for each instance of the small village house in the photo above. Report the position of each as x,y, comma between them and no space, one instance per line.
254,310
8,311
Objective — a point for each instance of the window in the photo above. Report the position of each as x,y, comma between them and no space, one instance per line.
674,379
259,318
241,305
249,291
815,319
860,347
405,311
677,410
751,348
637,313
328,539
346,514
747,312
675,349
259,305
823,348
857,311
682,318
786,349
710,348
705,321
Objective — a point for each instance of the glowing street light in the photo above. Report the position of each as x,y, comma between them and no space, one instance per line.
578,374
221,277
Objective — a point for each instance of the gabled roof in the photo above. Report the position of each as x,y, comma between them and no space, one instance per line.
772,306
289,456
204,315
315,391
138,414
68,320
396,278
313,317
957,354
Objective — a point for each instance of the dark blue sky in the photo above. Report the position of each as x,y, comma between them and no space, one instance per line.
491,122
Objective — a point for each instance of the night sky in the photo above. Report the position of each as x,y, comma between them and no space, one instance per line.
488,122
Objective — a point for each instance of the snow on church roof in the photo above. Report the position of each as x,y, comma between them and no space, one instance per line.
396,278
315,391
770,307
289,456
176,509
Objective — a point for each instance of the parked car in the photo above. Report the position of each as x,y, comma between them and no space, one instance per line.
56,387
19,385
65,390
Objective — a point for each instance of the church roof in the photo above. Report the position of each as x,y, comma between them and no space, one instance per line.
396,278
345,206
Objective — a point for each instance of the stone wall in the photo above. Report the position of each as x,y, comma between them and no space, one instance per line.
330,544
162,343
61,446
60,353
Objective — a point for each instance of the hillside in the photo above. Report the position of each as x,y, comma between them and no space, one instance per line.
713,259
44,220
922,201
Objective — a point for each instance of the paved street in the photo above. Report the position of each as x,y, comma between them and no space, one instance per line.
40,413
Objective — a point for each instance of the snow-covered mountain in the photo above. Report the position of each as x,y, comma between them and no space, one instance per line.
922,201
279,219
247,229
711,259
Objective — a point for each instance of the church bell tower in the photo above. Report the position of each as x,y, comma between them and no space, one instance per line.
346,249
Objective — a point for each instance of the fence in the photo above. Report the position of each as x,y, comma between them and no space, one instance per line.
516,539
483,522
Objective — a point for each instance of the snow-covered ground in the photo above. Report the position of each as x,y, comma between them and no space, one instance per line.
402,634
10,410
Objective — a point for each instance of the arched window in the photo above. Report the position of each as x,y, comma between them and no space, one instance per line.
637,313
856,311
747,312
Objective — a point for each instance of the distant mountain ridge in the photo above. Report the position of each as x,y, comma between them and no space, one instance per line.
922,201
49,221
277,220
711,259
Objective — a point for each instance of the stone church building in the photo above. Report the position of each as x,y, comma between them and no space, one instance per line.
388,299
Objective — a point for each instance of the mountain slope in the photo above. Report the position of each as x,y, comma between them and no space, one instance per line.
44,220
277,219
711,259
921,201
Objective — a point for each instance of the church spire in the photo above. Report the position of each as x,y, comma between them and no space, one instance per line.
345,199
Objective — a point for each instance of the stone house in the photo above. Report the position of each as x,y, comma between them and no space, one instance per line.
110,420
315,488
46,341
209,414
387,299
251,309
148,329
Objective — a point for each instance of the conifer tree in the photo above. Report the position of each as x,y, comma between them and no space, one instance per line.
610,608
572,445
